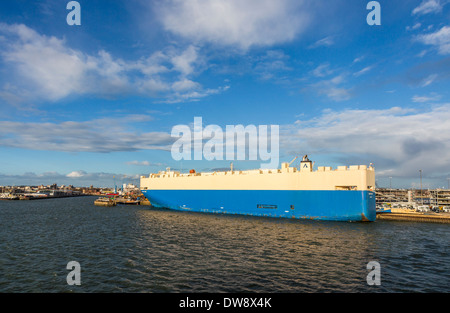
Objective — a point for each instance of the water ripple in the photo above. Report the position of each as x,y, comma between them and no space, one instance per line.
135,249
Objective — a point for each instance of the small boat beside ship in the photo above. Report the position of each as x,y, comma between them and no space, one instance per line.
106,202
383,209
127,200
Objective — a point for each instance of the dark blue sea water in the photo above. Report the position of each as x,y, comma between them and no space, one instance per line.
138,249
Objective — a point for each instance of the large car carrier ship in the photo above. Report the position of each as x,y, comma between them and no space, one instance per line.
341,194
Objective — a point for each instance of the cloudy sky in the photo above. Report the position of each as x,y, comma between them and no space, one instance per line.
96,103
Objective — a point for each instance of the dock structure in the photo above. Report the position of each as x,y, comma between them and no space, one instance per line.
438,197
432,206
443,218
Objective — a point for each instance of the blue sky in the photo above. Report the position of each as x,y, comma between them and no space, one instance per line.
83,104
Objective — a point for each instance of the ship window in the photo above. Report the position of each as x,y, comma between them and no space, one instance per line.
266,206
346,187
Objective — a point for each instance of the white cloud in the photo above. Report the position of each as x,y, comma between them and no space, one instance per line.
184,62
45,68
54,70
430,98
428,6
439,39
76,174
428,80
358,59
337,94
399,141
324,42
271,65
185,84
329,82
322,70
139,163
414,27
234,22
422,53
333,89
99,135
363,71
193,95
144,163
78,178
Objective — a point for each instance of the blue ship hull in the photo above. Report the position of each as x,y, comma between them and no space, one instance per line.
334,205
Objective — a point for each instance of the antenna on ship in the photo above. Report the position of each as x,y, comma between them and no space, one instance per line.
293,160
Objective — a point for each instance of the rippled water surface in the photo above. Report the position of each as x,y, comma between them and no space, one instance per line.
137,249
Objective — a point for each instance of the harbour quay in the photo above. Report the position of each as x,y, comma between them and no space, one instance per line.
128,194
47,192
413,205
